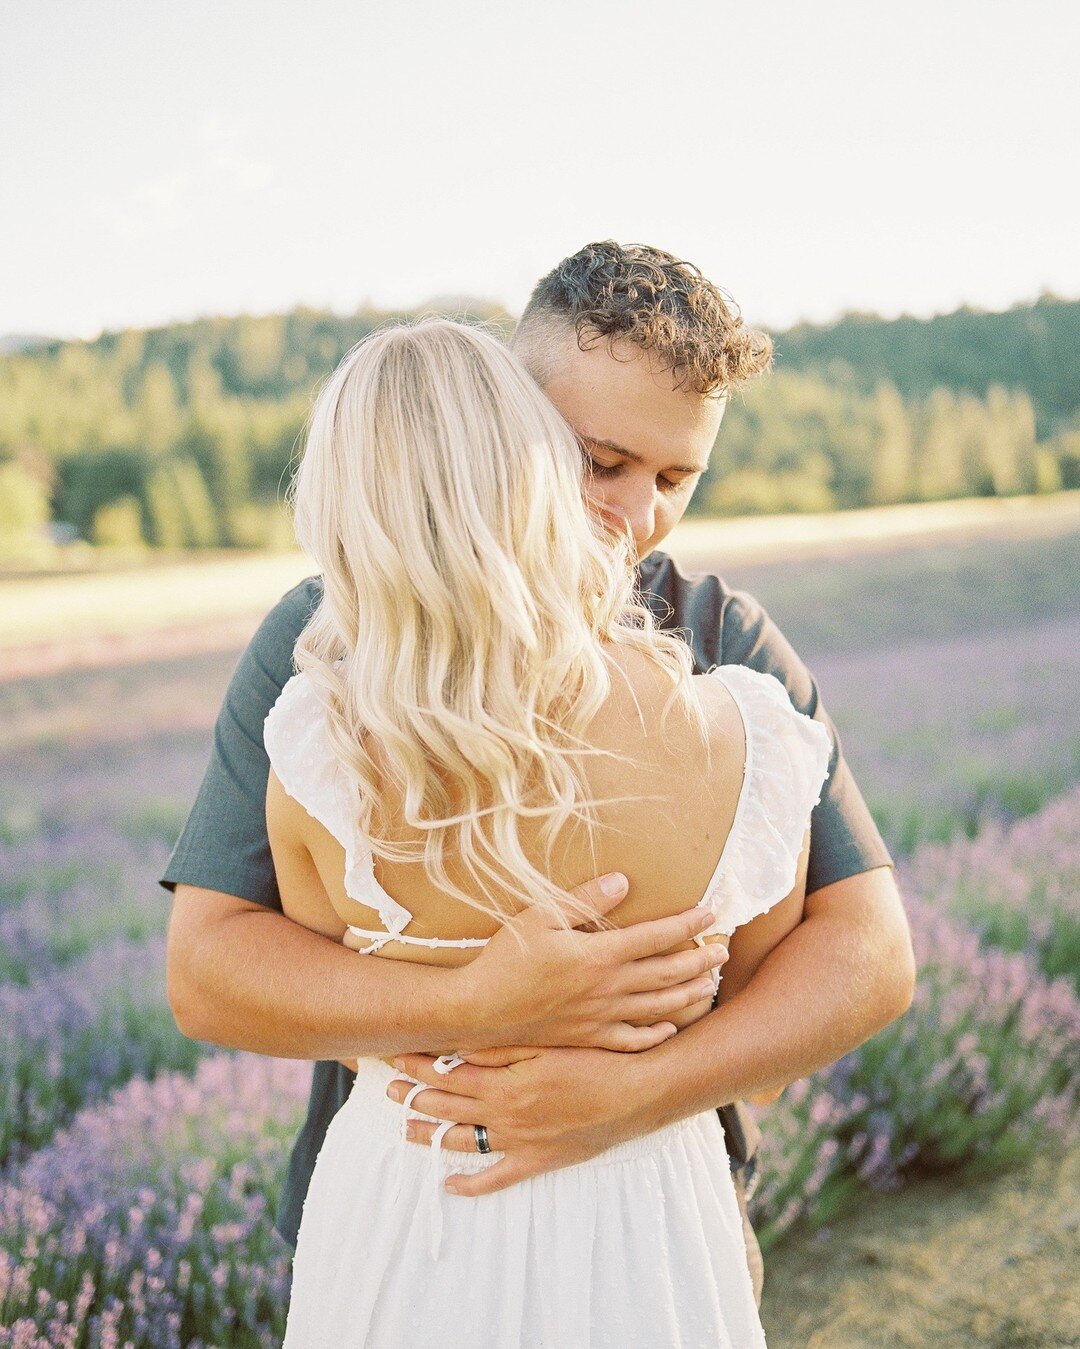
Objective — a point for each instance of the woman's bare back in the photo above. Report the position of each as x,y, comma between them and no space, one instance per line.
670,797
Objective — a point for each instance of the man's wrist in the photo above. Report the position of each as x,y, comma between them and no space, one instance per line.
419,1008
669,1084
463,1011
641,1088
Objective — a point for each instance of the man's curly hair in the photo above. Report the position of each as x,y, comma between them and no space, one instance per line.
636,293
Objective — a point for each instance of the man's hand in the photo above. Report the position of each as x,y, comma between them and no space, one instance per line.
544,985
553,1107
545,1108
245,977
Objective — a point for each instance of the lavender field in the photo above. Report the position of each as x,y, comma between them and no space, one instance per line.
139,1171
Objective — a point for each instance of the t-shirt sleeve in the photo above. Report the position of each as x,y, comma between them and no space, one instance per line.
844,840
224,845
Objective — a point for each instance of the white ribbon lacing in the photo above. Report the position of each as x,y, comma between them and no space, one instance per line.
444,1064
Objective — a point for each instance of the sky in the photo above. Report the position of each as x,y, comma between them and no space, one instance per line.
164,161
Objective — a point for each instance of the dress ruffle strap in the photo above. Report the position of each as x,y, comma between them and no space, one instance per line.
436,1220
299,748
786,765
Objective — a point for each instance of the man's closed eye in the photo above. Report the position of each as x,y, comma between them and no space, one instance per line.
599,470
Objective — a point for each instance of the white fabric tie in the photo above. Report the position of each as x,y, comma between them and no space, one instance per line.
444,1064
436,1222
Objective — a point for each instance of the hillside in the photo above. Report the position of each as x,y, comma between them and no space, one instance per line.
1033,347
183,436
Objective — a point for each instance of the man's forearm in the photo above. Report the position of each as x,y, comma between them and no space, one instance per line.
270,986
841,975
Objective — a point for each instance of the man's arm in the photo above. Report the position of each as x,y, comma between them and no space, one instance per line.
843,973
810,1001
245,976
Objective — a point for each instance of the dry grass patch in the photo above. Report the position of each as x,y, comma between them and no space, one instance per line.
990,1263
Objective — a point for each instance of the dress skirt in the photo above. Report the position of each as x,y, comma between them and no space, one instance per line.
640,1247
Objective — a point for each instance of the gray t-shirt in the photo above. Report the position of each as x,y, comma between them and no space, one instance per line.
224,845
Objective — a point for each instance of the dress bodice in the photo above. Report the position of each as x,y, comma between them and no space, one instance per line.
785,765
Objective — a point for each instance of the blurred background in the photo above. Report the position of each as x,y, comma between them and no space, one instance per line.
205,207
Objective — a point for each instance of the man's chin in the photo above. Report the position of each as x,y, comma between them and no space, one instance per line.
648,550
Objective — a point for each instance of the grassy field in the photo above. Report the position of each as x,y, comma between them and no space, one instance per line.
211,590
990,1263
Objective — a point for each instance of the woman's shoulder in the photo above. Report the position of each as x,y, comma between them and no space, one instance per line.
644,691
787,753
680,735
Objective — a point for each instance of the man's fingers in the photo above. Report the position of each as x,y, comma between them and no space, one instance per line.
678,968
596,897
500,1056
652,1006
461,1138
506,1172
464,1080
654,936
443,1105
627,1039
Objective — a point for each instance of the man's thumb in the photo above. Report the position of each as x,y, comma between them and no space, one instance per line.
598,897
582,905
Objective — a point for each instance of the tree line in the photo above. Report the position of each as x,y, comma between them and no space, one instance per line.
184,436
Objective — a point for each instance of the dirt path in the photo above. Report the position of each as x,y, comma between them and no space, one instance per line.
990,1263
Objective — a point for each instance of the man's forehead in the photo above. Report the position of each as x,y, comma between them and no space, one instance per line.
624,396
673,432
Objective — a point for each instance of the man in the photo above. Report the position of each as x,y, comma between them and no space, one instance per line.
637,352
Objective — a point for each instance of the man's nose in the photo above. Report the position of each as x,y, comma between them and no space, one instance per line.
639,512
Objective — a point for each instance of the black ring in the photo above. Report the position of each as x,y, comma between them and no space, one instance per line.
482,1144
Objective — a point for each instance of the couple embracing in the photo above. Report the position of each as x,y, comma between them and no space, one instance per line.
545,853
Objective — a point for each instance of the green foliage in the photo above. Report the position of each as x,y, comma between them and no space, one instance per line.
119,524
200,423
1065,451
1033,347
181,512
167,524
795,443
753,491
96,478
24,506
200,521
260,526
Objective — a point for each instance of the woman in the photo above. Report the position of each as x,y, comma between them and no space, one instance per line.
483,717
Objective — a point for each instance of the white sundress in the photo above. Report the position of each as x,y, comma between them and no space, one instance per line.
640,1247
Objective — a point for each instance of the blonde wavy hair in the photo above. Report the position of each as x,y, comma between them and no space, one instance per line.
468,594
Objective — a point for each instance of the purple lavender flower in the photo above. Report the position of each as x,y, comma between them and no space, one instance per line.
981,1072
149,1221
1018,886
73,1035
